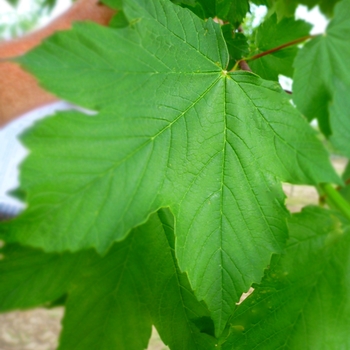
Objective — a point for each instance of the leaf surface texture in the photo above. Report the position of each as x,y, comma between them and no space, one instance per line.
302,301
173,129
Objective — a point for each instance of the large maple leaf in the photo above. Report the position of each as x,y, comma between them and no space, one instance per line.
173,129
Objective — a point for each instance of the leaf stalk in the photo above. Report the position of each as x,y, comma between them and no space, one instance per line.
335,199
275,49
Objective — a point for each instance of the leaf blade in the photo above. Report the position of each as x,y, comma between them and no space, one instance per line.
304,293
191,147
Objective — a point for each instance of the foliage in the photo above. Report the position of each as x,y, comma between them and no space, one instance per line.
315,259
166,205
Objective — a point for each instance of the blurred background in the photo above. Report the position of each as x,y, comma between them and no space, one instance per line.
20,17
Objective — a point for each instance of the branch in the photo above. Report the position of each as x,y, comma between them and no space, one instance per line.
278,48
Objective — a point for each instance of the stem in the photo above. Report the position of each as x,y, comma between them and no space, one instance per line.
278,48
245,66
336,200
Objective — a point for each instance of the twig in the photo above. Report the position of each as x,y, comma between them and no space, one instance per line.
278,48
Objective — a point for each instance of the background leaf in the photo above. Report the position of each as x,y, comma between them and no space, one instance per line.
30,277
115,4
237,44
326,6
323,61
339,118
106,309
271,34
113,300
232,10
303,298
286,8
181,321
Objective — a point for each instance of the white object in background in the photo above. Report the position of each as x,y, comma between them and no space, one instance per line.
12,152
27,9
313,16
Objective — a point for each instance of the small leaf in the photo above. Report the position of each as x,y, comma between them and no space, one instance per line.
304,294
237,43
202,8
326,6
323,61
114,4
119,20
232,10
284,8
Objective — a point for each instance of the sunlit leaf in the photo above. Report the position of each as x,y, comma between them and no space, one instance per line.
173,129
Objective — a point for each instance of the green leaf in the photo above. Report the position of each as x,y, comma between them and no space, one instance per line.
147,287
346,174
323,61
181,321
286,8
232,10
202,8
262,2
326,6
13,2
302,301
209,7
114,4
169,132
271,34
345,191
136,284
106,308
339,118
119,20
237,43
29,277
